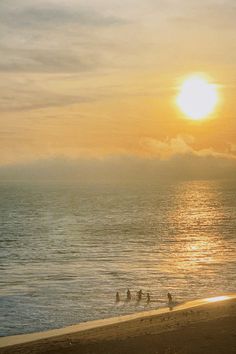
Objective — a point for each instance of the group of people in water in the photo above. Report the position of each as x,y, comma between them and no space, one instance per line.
140,295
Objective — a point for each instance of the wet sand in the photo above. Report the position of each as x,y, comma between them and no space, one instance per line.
200,327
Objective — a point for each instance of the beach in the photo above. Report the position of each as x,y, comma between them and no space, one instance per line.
200,326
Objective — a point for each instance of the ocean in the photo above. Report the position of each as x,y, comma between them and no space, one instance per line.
65,250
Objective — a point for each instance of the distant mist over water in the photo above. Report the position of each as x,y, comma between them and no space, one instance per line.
123,168
65,249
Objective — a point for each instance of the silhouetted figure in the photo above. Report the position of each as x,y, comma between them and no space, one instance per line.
117,297
140,293
148,298
169,298
128,295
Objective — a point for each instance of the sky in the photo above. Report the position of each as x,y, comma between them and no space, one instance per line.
90,85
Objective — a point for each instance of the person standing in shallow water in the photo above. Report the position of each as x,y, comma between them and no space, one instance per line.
117,297
128,295
148,298
169,298
140,293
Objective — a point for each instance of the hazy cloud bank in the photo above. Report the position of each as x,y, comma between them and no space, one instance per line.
123,169
171,158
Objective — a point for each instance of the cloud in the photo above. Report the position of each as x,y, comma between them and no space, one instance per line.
180,145
71,36
211,14
44,60
53,37
32,92
168,147
50,15
29,100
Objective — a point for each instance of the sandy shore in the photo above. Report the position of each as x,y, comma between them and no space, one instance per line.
203,326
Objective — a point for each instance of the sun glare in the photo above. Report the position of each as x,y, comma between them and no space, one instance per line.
197,97
218,298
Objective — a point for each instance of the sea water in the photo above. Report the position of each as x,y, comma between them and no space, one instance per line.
65,250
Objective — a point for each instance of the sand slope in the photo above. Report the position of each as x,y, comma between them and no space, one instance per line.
202,326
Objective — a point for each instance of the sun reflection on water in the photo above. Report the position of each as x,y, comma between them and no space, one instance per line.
198,212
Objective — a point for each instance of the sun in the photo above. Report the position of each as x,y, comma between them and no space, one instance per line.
197,97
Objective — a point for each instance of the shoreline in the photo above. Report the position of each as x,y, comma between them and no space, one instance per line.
148,323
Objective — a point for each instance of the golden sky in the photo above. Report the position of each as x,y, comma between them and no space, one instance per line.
97,78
